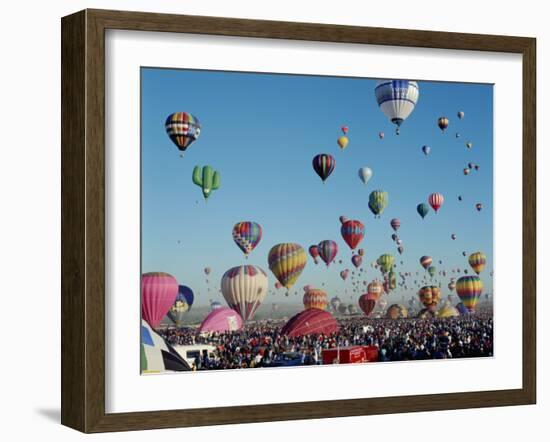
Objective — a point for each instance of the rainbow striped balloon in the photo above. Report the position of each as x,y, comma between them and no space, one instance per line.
468,289
477,262
247,235
286,261
327,251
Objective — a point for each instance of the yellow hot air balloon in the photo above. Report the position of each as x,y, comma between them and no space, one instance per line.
315,298
343,142
286,261
477,262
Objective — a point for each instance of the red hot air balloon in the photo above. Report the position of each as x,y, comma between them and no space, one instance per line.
395,224
366,304
356,260
436,200
353,232
345,129
158,294
327,251
310,321
314,252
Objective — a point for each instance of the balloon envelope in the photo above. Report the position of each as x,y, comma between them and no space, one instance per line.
158,294
244,288
310,321
221,320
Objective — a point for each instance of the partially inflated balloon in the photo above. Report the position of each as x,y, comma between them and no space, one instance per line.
477,261
423,209
365,174
244,288
286,261
323,164
247,235
158,294
327,251
353,232
469,290
184,301
183,129
397,99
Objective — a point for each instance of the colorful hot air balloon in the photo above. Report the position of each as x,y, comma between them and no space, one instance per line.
429,296
182,304
183,129
323,164
443,123
314,252
343,142
460,115
365,174
247,235
374,289
426,261
378,200
315,298
158,294
426,150
361,252
327,251
423,209
356,260
395,224
436,200
207,179
469,290
397,99
366,304
310,322
353,232
477,262
396,311
385,262
244,288
286,261
344,129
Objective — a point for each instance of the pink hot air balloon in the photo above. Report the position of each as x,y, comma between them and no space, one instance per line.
395,224
158,294
221,320
344,274
328,250
314,252
436,200
356,260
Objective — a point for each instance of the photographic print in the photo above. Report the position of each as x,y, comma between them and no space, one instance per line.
303,220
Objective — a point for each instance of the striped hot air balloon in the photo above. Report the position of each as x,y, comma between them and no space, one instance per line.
436,201
378,200
353,232
396,99
247,235
315,298
158,294
443,123
375,289
328,250
477,262
244,288
429,296
468,289
183,129
286,261
395,224
323,164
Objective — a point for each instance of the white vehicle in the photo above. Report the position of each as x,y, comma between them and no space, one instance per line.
191,352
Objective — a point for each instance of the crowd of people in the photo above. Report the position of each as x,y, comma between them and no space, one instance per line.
261,344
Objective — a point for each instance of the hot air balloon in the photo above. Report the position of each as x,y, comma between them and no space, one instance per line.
365,174
400,249
459,197
476,167
451,285
278,285
396,311
315,298
469,145
183,129
397,99
247,235
426,150
479,206
395,224
443,123
356,260
343,142
286,261
215,305
381,135
314,252
309,322
366,304
344,274
453,236
466,171
221,320
182,304
423,209
344,129
158,294
323,164
429,296
461,309
156,354
244,288
327,251
378,200
448,311
361,252
392,279
436,200
469,290
207,179
426,261
207,270
477,262
353,232
432,270
385,262
374,289
460,115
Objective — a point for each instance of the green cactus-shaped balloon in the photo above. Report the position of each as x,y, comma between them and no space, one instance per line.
207,179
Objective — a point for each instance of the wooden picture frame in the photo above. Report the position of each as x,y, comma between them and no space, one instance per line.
83,219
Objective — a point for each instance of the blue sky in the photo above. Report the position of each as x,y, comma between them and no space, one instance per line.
261,132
